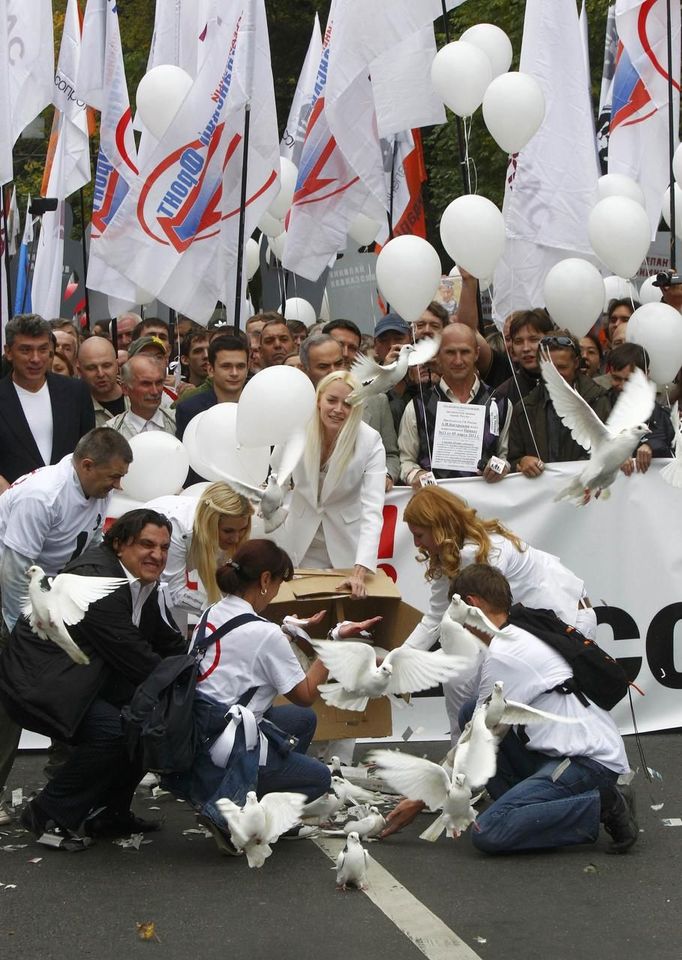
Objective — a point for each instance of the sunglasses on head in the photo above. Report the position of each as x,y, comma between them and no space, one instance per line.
565,342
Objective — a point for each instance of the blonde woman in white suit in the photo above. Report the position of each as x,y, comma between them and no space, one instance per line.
336,511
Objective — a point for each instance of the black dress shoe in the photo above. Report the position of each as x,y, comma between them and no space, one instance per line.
51,834
117,823
620,821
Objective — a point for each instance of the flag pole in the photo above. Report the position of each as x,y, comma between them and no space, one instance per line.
8,279
85,254
242,218
464,164
392,193
671,136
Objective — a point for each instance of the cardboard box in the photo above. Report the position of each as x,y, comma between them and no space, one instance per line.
314,590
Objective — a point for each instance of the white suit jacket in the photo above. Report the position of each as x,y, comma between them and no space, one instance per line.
351,511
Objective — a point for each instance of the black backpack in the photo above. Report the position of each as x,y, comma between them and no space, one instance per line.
596,675
159,721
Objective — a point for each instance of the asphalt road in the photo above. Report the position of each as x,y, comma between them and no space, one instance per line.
577,903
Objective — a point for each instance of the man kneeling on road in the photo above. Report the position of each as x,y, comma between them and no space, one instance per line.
555,782
125,635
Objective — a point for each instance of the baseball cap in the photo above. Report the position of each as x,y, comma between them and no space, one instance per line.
392,322
143,342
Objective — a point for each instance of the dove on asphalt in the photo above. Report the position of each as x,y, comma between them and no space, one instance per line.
351,794
260,823
610,443
420,779
366,827
61,601
323,808
499,711
672,472
375,379
351,864
404,670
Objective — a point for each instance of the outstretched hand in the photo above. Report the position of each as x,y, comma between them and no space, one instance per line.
401,816
348,630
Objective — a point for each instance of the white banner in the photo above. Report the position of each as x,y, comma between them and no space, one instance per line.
627,549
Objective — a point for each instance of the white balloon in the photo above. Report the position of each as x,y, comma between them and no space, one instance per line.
196,490
665,209
252,257
269,225
618,288
620,234
493,42
677,165
618,185
159,96
472,231
513,110
288,175
364,230
222,456
574,295
658,328
296,308
274,404
460,74
408,275
648,293
276,245
159,467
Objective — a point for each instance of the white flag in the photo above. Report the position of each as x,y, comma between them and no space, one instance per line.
638,142
606,89
4,292
401,83
26,71
294,132
68,163
552,183
13,224
102,84
174,233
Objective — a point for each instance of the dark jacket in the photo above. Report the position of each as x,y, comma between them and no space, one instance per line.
555,443
661,431
44,690
188,409
519,386
72,416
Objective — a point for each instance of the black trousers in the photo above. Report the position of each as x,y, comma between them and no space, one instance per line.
99,772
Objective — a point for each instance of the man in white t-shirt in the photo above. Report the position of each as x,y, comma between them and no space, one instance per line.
49,517
556,782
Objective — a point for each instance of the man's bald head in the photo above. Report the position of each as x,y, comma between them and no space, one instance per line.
458,355
98,368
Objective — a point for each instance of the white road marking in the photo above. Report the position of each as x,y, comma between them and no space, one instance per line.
426,931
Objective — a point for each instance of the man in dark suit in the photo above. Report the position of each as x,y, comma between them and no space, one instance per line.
42,415
125,635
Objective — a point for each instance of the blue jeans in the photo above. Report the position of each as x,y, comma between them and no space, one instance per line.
534,807
295,772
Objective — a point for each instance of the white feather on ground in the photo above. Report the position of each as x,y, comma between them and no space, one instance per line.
610,443
63,600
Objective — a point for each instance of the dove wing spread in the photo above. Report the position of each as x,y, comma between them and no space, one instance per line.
457,641
285,457
349,663
424,350
415,670
635,403
254,494
232,814
365,370
414,777
282,812
71,595
476,756
584,424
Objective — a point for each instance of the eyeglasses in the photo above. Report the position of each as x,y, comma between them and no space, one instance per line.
565,342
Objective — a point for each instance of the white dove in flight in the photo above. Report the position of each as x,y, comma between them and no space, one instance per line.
610,443
672,472
375,379
351,864
404,670
61,601
260,823
419,779
460,612
498,711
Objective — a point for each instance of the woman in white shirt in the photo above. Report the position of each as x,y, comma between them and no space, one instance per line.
450,535
248,661
206,532
336,512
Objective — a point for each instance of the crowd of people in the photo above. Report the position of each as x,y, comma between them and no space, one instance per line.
70,402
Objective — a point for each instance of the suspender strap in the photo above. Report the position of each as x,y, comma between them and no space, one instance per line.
203,642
